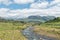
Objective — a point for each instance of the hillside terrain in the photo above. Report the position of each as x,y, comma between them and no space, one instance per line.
50,28
11,29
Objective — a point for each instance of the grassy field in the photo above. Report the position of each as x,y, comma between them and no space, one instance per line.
11,35
11,31
51,29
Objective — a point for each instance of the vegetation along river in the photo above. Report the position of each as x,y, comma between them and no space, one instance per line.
31,35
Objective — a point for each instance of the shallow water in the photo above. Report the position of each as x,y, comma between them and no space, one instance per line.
30,35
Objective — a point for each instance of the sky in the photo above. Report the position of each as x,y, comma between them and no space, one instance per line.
25,8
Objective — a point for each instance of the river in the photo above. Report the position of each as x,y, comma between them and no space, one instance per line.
31,35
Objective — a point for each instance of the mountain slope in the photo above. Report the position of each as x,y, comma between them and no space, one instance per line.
33,18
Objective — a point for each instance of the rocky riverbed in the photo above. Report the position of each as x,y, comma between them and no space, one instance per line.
31,35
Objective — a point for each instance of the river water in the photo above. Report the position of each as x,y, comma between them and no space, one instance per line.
31,35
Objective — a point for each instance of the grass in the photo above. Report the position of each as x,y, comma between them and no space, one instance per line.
11,35
11,31
49,29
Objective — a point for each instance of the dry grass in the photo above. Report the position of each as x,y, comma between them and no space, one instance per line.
11,31
11,35
48,31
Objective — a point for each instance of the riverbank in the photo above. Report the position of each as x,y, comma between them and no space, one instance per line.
12,31
31,35
48,30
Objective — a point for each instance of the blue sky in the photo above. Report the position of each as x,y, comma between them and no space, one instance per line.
24,8
15,6
21,6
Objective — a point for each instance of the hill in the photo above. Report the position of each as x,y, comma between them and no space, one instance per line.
33,18
40,18
50,28
54,20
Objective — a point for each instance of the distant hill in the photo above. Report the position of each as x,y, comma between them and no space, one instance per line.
47,18
41,18
55,20
33,18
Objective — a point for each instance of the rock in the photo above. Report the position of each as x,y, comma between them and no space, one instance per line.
31,35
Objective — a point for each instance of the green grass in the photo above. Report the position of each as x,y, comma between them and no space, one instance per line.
11,31
11,35
11,26
51,29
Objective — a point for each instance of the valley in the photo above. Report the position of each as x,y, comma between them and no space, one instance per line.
11,30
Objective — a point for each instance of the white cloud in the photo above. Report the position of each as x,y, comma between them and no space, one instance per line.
39,5
3,12
34,10
54,11
55,1
44,4
6,2
23,1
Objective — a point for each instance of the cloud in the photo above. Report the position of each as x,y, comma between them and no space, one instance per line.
5,2
44,4
3,12
35,9
54,11
8,2
55,1
39,5
23,1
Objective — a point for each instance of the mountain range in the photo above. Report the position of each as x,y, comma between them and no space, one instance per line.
32,18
